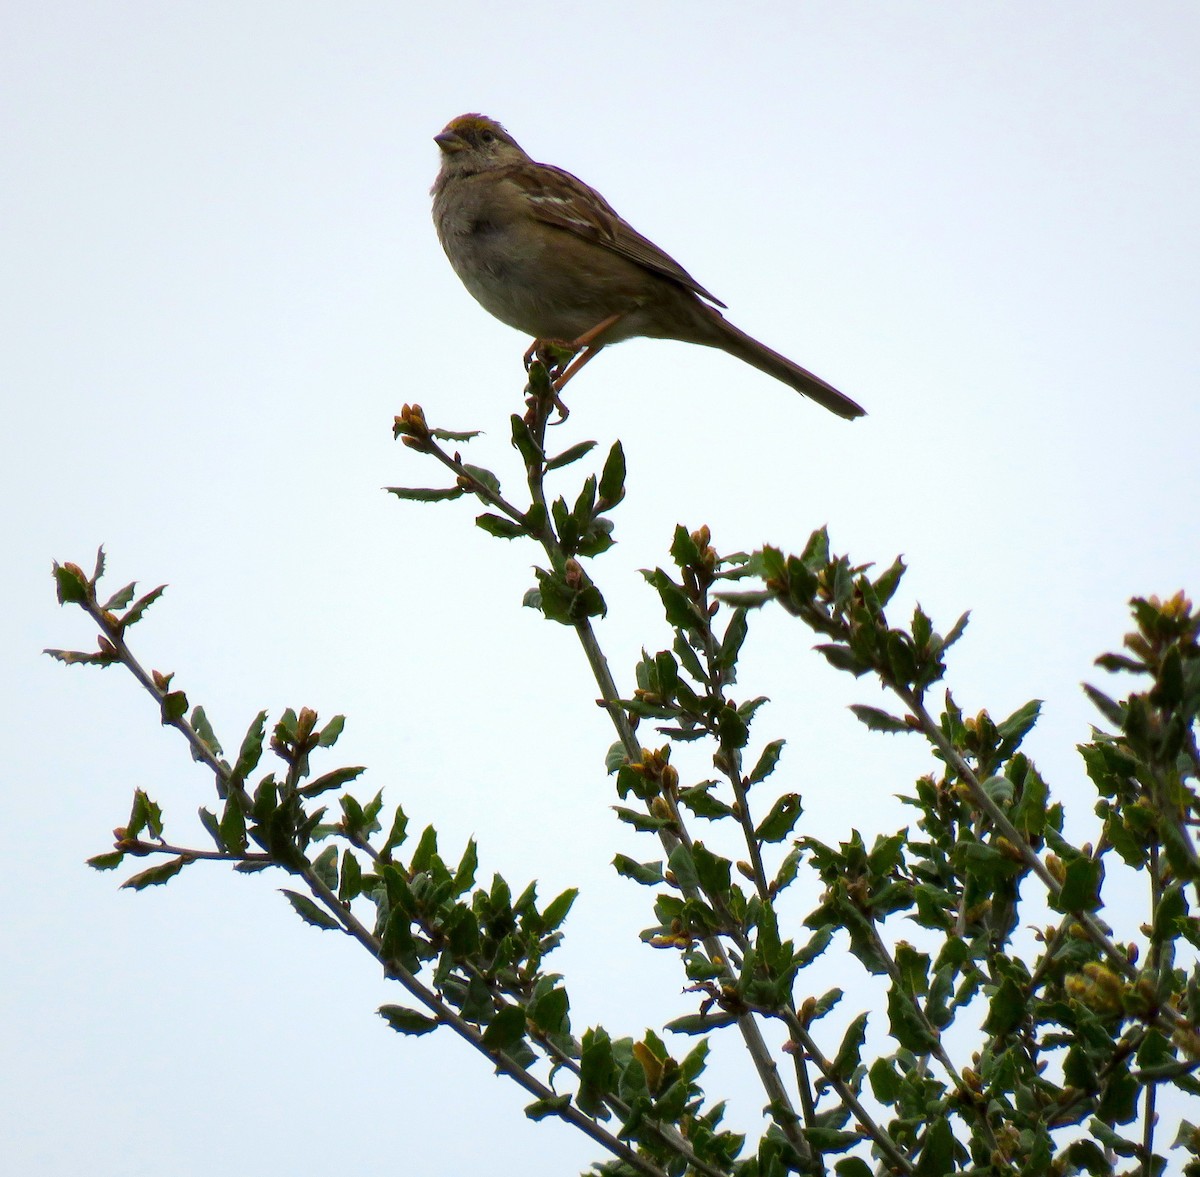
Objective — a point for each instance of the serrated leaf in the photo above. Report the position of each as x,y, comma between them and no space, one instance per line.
612,478
325,867
203,729
233,826
71,584
700,1023
120,598
331,780
506,1029
407,1021
877,720
331,731
649,874
1081,887
779,822
156,875
426,494
553,1105
1109,708
464,876
250,752
573,454
681,864
309,912
1014,729
455,435
138,610
842,658
767,760
397,834
846,1061
731,643
499,526
556,910
109,861
484,477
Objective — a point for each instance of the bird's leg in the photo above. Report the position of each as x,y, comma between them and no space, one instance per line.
580,351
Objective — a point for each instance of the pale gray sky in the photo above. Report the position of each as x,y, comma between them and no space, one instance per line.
220,284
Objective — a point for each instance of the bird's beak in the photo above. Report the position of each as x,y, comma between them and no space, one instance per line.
449,142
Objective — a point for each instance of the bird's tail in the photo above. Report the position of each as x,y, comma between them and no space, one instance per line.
737,343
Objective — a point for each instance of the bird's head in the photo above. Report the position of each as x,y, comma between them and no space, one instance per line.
474,143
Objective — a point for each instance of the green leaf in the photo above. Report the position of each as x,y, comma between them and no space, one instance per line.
1029,813
1007,1008
779,822
649,874
852,1167
553,1105
138,610
1109,708
712,871
549,1011
174,706
956,632
906,1025
72,586
464,876
331,731
145,815
702,803
325,867
1081,887
204,730
846,1061
233,826
681,864
522,438
332,780
426,494
407,1021
499,526
397,835
156,875
556,910
678,607
79,658
886,1084
879,721
841,658
700,1023
108,861
1016,727
612,478
352,876
573,454
506,1029
767,761
684,550
120,599
251,750
937,1155
483,477
731,643
309,912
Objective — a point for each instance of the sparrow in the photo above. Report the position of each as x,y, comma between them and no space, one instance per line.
545,253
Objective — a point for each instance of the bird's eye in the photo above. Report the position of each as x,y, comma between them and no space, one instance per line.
486,137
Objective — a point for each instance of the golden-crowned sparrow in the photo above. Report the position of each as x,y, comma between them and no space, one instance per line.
546,254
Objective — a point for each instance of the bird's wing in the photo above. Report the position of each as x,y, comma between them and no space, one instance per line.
565,201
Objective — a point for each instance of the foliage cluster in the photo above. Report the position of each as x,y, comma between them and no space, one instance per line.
1047,1053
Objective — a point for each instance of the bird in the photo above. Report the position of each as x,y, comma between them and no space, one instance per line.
545,253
